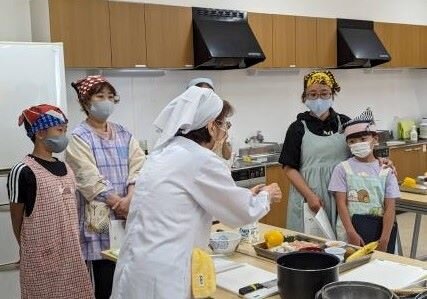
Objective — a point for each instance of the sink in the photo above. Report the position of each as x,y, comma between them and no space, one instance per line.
263,148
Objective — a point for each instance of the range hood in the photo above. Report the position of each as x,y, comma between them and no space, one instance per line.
358,45
222,39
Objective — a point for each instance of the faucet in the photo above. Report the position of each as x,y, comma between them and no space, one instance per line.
258,138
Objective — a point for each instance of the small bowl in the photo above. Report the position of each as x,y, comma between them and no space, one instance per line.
225,242
337,251
336,244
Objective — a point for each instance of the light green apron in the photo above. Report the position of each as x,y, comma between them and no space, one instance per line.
319,156
365,195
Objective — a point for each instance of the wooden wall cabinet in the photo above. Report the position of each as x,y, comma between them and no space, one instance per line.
262,27
127,25
278,211
83,27
304,42
101,33
410,161
169,36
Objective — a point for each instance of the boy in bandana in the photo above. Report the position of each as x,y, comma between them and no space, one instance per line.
43,207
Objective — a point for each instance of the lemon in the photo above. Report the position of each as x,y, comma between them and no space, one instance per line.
273,238
409,182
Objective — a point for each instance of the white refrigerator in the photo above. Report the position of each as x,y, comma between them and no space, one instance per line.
30,74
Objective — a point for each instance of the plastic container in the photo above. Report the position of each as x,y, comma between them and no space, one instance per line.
250,233
423,128
414,134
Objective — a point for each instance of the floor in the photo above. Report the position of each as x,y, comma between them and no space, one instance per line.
406,227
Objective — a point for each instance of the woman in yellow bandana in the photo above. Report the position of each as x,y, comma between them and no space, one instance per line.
313,147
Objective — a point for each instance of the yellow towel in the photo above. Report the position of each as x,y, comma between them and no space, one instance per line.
203,279
404,127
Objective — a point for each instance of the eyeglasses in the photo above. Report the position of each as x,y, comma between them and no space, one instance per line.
222,123
314,95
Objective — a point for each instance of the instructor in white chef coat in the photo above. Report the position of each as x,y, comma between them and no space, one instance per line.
182,186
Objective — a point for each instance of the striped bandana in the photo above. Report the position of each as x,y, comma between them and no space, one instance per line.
363,123
41,117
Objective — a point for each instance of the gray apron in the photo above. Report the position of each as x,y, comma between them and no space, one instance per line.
319,156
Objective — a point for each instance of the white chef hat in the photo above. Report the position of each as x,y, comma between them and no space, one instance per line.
190,111
196,81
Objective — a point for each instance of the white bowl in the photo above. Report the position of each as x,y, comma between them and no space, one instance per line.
337,251
224,242
335,244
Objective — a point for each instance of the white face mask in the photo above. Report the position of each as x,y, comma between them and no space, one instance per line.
361,149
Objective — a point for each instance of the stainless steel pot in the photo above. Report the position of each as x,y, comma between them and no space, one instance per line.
354,290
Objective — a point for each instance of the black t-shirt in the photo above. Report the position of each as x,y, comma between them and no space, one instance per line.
291,152
22,185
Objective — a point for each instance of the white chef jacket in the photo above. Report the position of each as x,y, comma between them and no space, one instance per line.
180,188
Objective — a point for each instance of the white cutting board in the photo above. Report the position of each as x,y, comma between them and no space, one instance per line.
389,274
243,276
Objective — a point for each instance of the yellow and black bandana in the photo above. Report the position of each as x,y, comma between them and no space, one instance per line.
321,77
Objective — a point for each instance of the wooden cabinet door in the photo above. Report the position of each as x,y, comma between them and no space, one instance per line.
127,24
402,41
385,32
284,41
306,41
410,161
326,42
278,211
262,27
83,27
169,36
423,45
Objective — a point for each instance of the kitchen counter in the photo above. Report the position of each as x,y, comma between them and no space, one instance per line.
246,254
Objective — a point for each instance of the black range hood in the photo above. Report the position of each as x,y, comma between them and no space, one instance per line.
222,39
358,45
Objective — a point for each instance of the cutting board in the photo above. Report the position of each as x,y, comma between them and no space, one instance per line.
389,274
242,276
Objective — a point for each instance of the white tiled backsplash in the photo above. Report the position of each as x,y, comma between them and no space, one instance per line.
267,100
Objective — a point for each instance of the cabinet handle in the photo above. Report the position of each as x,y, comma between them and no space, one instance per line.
141,65
416,149
188,65
292,65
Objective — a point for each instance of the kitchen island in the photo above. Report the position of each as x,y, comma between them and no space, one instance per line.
246,254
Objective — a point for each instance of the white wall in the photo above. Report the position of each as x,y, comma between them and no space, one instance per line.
268,101
15,22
